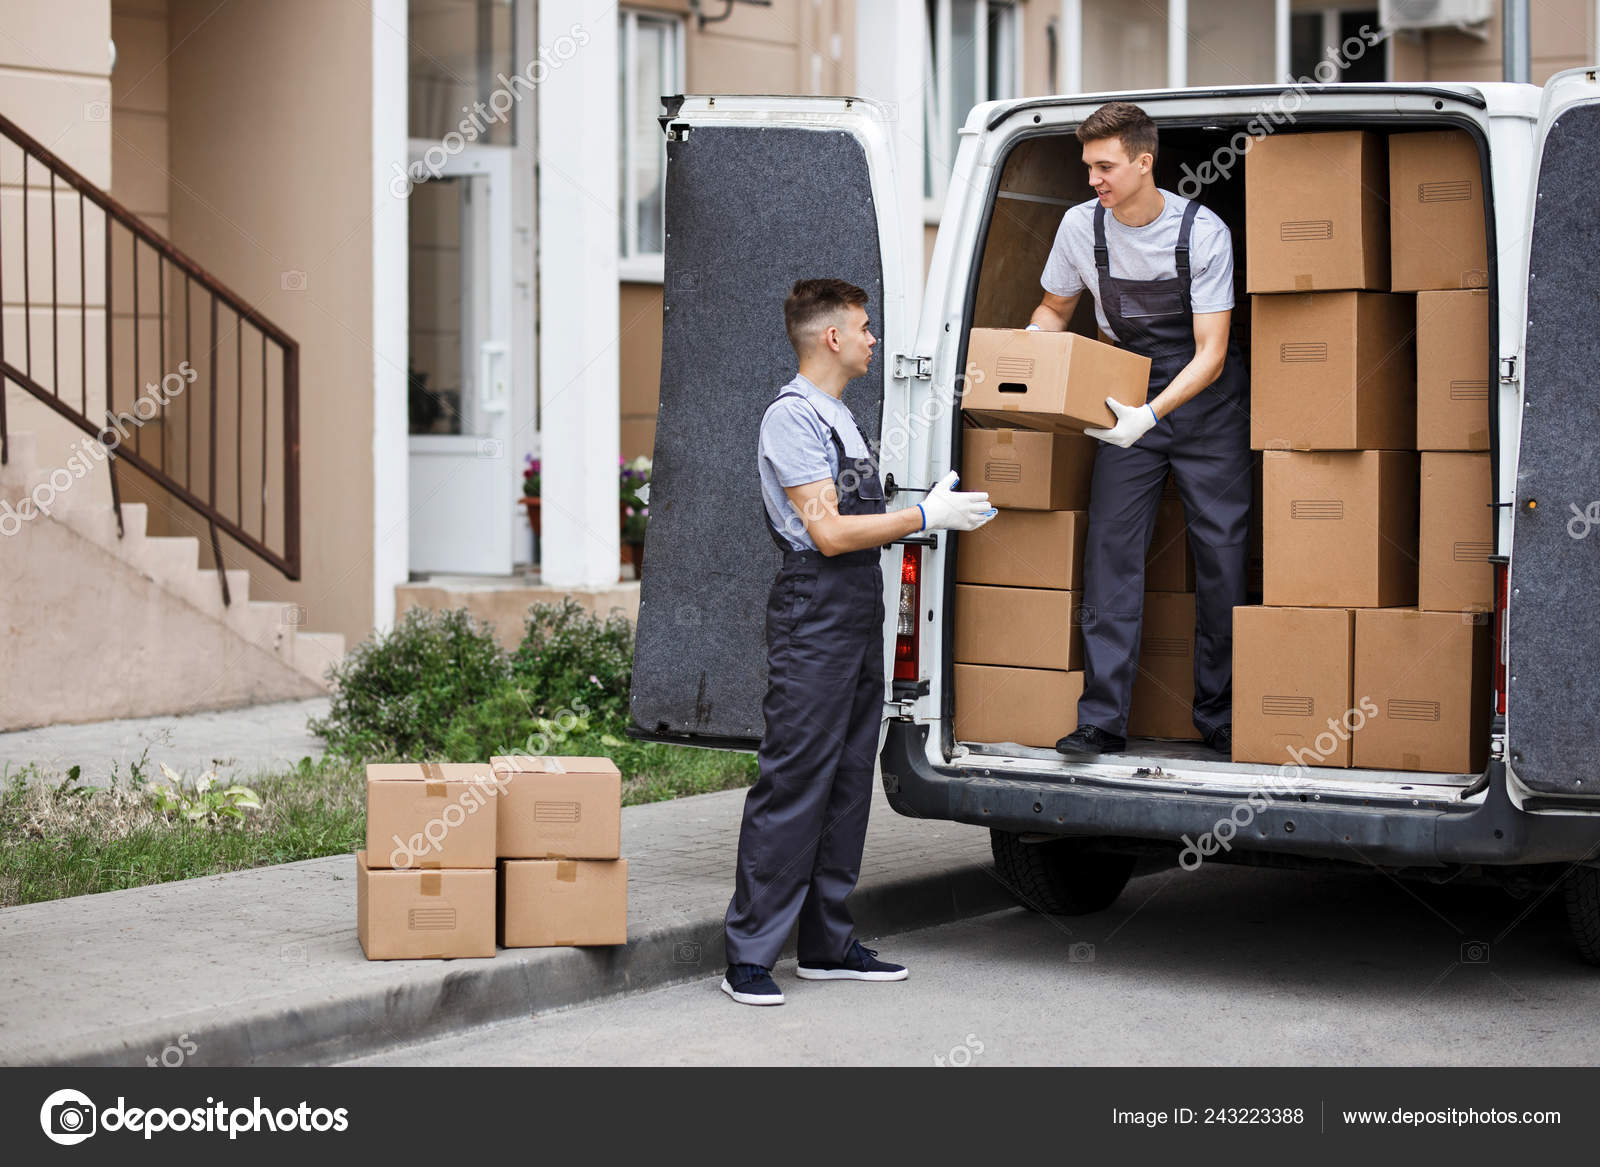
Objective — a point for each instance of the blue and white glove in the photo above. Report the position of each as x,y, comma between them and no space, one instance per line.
1133,422
957,510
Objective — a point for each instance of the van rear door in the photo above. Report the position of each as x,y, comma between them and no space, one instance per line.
1553,608
760,192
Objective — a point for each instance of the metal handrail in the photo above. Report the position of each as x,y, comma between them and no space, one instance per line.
283,554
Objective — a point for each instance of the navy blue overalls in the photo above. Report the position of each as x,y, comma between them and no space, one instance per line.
1206,443
805,819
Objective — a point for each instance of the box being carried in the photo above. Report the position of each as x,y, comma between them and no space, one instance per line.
568,808
1055,381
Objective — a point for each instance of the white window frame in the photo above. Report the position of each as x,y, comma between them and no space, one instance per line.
936,44
634,267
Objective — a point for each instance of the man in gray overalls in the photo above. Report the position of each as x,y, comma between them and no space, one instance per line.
1171,299
805,819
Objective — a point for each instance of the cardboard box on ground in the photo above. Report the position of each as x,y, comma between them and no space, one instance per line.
528,846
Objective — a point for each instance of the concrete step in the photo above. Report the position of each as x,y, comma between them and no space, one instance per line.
99,526
22,449
315,651
171,561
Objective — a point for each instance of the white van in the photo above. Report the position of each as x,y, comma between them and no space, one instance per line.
762,191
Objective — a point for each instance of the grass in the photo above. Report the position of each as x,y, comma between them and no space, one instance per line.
61,838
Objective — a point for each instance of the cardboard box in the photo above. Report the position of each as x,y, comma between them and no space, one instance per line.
563,903
1316,214
1334,371
1292,676
558,808
1453,370
411,915
1028,470
1163,688
1169,563
1339,529
1031,707
1436,223
1424,679
1025,549
1457,534
1056,381
1035,628
428,815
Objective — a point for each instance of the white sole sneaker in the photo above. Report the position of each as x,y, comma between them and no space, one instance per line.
751,998
846,974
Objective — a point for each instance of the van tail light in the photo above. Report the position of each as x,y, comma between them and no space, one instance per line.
1502,577
905,640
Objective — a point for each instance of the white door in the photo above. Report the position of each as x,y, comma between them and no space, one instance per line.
463,486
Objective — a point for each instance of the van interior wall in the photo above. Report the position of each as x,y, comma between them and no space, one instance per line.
1042,177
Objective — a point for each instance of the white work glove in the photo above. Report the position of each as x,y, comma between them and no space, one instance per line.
958,510
1133,422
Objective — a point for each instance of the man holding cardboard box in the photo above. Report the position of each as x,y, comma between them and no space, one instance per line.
805,819
1171,300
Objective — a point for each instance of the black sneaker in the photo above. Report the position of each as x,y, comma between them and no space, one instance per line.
751,984
1221,740
1091,739
859,964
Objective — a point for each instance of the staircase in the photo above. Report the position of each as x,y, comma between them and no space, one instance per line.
98,617
143,630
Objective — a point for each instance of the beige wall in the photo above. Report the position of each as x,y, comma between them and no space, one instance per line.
54,83
269,160
1561,33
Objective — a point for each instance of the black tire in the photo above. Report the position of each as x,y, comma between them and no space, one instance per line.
1582,894
1060,878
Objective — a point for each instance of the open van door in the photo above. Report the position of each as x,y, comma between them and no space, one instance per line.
760,192
1553,609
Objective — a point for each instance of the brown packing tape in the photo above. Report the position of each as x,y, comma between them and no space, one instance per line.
1303,284
567,871
432,772
433,863
432,883
434,790
1411,761
1478,437
1005,437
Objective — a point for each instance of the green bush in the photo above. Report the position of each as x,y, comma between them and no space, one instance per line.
570,657
397,693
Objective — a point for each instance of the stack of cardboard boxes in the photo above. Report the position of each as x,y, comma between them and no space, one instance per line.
526,847
1018,613
1371,648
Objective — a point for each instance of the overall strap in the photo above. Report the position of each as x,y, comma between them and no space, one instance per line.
1102,255
1180,253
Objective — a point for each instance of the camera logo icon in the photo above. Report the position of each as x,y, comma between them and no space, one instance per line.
686,952
490,448
68,1117
292,281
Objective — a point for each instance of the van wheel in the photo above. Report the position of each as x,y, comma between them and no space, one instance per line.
1059,878
1583,912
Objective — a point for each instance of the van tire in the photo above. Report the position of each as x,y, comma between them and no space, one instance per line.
1060,878
1583,912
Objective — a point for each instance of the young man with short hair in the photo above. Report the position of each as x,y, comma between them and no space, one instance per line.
1160,269
805,819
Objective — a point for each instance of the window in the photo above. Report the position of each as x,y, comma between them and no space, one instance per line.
650,63
1320,35
458,47
973,49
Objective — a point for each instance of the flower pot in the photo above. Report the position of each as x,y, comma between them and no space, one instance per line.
531,505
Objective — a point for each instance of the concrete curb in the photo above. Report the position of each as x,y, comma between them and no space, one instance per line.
517,982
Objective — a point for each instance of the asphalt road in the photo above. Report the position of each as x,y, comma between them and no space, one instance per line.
1222,966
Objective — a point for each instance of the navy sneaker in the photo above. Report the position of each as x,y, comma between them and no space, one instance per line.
751,984
859,964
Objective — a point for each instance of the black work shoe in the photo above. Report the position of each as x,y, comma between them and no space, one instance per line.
1091,739
1221,740
751,984
859,964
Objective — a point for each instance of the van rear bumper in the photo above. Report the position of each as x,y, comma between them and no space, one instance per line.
1490,832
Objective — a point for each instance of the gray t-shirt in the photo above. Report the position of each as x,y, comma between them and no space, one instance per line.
1142,253
796,448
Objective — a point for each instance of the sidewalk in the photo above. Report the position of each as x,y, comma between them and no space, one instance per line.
255,738
263,967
